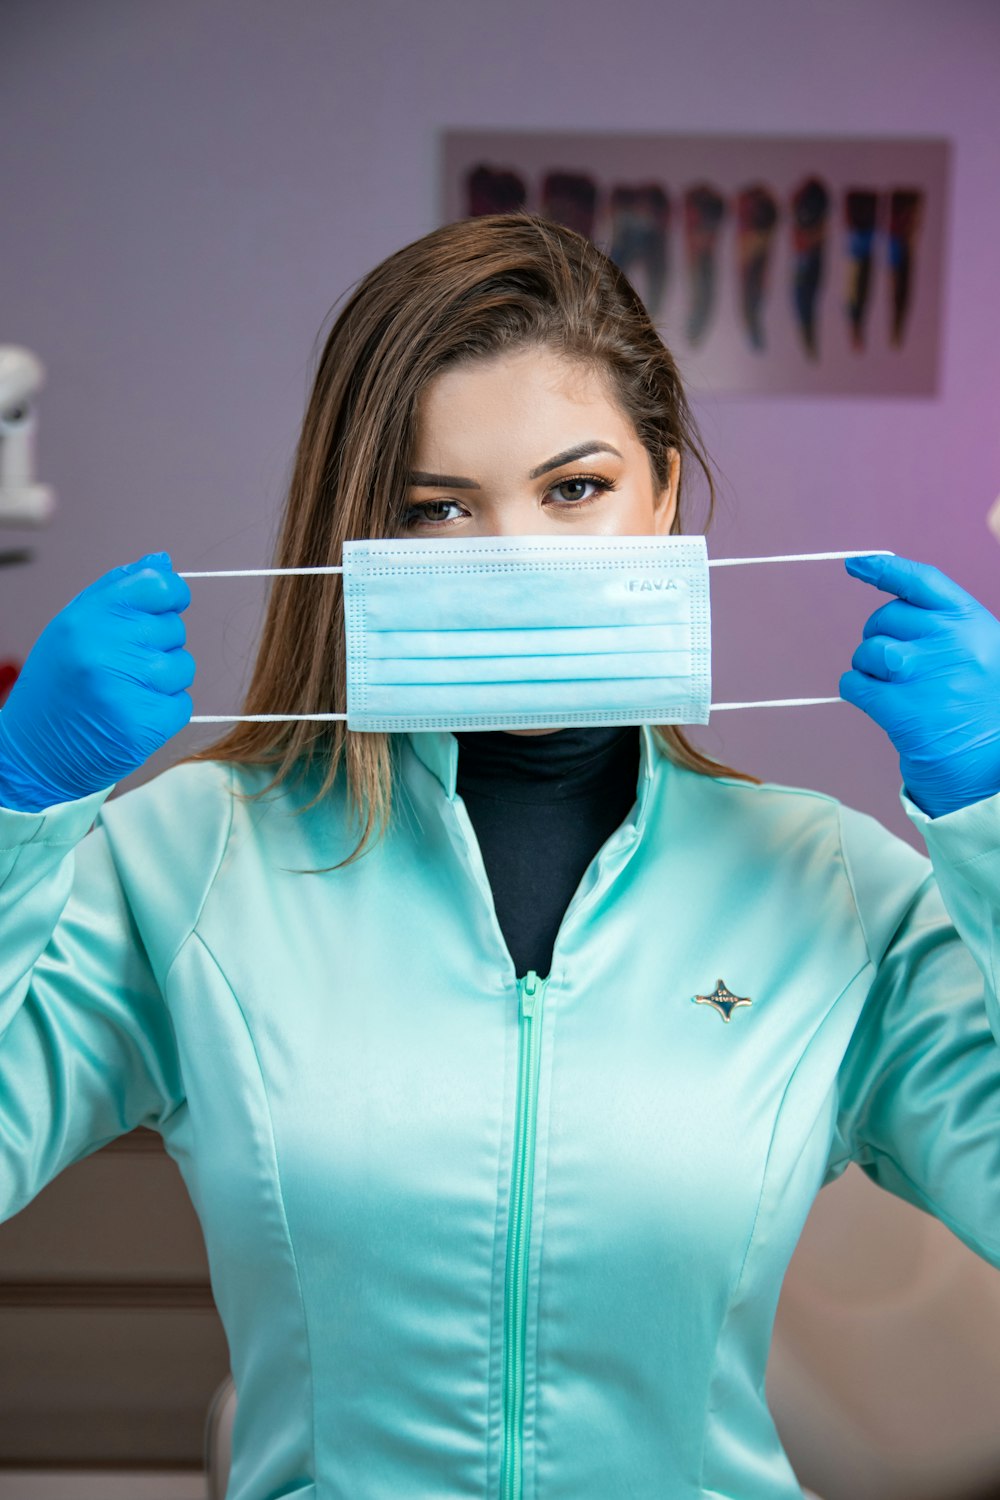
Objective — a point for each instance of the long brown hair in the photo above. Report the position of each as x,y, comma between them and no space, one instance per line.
476,287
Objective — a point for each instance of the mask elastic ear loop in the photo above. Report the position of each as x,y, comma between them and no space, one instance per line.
735,562
717,562
258,718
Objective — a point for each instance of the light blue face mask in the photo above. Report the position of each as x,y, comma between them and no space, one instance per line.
526,632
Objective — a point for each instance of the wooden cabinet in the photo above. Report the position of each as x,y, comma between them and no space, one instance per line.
111,1346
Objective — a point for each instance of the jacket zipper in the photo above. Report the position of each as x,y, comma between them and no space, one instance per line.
531,992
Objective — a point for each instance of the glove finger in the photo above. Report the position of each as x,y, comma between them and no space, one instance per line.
164,715
161,632
170,671
179,708
887,659
904,621
920,583
866,693
154,590
156,559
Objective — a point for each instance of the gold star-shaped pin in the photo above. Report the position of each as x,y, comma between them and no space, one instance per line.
721,999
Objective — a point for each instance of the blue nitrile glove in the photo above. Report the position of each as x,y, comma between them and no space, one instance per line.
928,671
102,688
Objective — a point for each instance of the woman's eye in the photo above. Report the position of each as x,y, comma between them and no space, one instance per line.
567,484
422,512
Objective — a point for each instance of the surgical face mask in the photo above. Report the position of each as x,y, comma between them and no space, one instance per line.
526,632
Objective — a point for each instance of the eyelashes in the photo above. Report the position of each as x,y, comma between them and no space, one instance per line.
603,485
418,513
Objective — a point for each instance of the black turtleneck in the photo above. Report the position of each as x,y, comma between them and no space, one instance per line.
542,805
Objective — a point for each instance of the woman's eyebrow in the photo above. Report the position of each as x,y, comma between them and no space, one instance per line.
592,445
446,481
453,482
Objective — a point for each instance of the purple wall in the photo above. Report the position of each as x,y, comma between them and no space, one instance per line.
188,187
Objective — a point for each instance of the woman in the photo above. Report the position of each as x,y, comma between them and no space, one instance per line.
502,1135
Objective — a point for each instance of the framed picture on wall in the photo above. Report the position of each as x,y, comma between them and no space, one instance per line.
791,265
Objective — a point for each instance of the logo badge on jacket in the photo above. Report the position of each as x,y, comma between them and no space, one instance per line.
721,999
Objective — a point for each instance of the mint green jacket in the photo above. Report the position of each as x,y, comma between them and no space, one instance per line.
479,1234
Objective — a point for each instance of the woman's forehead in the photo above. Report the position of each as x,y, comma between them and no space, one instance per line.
521,400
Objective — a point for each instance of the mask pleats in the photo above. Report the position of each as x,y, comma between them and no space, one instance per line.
589,635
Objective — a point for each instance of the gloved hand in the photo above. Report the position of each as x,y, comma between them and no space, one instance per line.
928,672
102,688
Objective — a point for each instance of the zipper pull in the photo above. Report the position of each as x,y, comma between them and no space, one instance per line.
532,988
